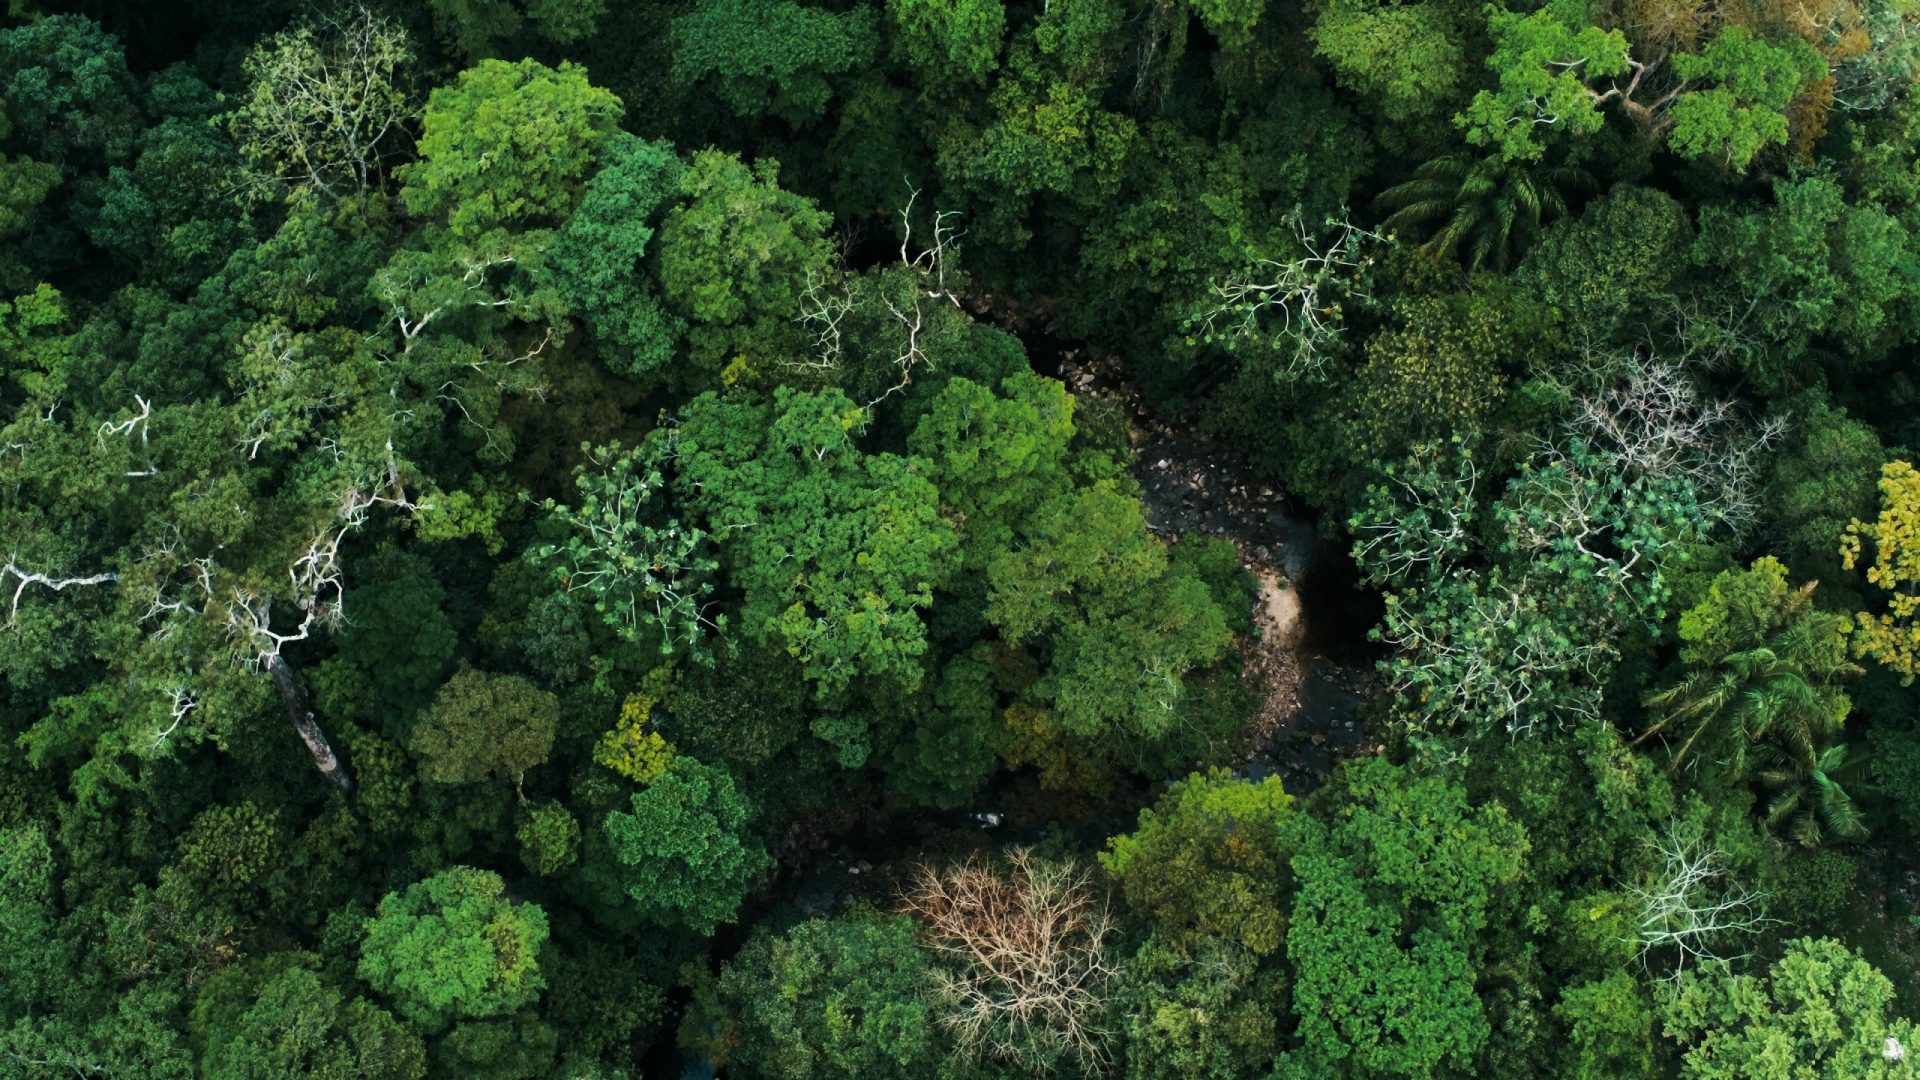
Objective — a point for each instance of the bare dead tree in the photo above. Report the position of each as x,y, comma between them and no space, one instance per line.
1163,19
932,260
180,702
910,356
1692,913
1029,967
126,427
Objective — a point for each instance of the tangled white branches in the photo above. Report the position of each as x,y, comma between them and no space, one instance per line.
822,310
1029,980
1691,913
1657,425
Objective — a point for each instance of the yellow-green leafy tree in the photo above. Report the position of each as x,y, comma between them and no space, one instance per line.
1891,635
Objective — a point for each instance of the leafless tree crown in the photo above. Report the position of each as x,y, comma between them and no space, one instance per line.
1028,951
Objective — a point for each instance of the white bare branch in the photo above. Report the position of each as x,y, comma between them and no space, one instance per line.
933,260
1431,522
822,311
1493,659
126,427
1307,294
910,355
26,577
1691,913
180,702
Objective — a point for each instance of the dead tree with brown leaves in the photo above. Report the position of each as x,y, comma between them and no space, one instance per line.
1028,968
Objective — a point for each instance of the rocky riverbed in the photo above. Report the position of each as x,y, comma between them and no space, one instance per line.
1308,658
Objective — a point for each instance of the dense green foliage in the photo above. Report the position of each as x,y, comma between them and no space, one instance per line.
453,946
761,538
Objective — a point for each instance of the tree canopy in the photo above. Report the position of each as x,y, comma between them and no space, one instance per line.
1148,539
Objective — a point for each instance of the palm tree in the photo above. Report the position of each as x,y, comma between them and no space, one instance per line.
1809,797
1774,712
1487,210
1779,692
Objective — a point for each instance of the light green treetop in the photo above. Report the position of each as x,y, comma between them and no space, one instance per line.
1745,111
453,946
1822,1011
1541,63
507,144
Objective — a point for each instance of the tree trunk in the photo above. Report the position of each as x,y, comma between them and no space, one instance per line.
301,714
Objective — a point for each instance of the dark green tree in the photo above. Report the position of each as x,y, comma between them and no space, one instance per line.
1823,478
1621,258
1483,212
597,257
770,57
948,43
68,92
735,257
1123,625
278,1018
476,29
684,850
482,725
846,996
1205,1011
837,550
